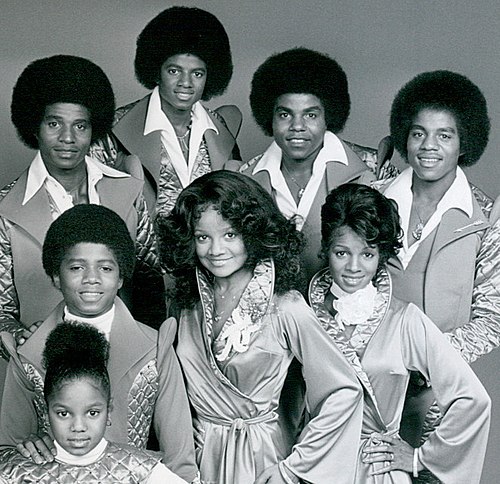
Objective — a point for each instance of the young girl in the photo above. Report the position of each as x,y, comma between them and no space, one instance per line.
78,397
88,253
384,339
235,259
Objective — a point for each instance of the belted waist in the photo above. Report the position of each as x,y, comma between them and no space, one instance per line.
239,423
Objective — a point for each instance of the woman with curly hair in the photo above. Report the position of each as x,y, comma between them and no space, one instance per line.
300,97
235,259
449,259
385,339
183,56
60,105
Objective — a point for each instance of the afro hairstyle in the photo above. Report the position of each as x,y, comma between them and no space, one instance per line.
185,30
300,71
75,351
61,79
93,224
448,91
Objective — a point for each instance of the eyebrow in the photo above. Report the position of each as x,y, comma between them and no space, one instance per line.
311,108
446,128
181,68
59,118
77,259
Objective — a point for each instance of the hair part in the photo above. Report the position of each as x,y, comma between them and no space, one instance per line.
88,223
251,212
61,79
300,71
185,30
74,351
443,91
367,212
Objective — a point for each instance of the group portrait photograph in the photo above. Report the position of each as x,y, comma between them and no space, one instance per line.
249,242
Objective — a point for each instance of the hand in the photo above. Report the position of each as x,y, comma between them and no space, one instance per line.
27,332
271,475
393,452
39,448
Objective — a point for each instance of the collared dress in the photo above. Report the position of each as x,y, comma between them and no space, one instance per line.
112,465
399,338
146,387
234,382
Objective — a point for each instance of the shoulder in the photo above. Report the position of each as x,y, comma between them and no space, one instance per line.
6,189
123,110
248,167
485,202
230,116
167,332
291,303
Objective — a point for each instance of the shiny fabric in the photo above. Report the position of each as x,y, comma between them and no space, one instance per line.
146,387
399,339
238,430
118,464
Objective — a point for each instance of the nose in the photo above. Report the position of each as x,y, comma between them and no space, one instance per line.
297,123
216,247
91,276
353,264
185,79
429,143
67,134
78,424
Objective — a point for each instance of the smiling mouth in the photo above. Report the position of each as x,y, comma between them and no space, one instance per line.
218,262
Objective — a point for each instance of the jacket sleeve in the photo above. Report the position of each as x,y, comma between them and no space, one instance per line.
455,450
327,448
172,417
481,334
148,298
9,304
18,418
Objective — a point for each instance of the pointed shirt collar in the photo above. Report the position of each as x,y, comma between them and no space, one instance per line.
458,196
332,150
38,176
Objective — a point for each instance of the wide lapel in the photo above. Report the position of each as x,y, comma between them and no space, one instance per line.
35,216
128,343
33,348
219,145
455,224
119,194
130,131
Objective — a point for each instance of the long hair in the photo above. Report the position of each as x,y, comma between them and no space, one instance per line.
249,209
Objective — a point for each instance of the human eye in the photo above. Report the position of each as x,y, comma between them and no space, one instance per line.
200,238
94,413
199,74
369,255
75,267
445,136
81,126
311,115
62,413
231,234
106,269
173,71
340,253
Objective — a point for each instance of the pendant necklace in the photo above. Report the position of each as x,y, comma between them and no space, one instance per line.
416,233
299,186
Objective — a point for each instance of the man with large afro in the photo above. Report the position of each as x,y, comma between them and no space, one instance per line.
60,104
448,265
301,98
183,56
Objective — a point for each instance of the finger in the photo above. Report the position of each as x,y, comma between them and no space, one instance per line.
385,457
23,450
50,444
387,467
44,450
33,452
378,448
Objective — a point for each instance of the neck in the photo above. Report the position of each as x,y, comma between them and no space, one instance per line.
233,284
70,179
430,191
180,119
300,168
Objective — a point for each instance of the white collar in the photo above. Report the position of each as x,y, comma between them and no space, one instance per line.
38,175
333,150
103,322
157,120
458,196
81,460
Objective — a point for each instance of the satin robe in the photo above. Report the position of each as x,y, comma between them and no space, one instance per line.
238,432
399,338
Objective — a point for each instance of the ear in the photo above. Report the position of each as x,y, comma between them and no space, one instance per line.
120,283
56,280
110,409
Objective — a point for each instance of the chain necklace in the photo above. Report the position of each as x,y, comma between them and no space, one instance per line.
184,142
416,233
299,186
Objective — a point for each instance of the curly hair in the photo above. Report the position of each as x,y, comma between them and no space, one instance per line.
61,79
93,224
300,71
185,30
250,210
448,91
371,215
74,351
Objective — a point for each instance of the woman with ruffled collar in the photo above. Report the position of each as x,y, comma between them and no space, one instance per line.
235,259
384,339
